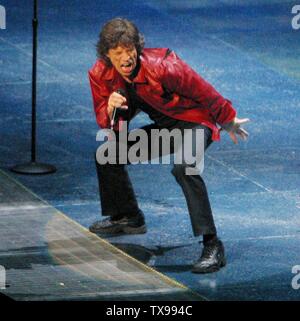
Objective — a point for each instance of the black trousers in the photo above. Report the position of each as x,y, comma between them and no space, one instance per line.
118,198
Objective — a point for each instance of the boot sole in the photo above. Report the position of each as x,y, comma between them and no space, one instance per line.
117,230
211,269
135,230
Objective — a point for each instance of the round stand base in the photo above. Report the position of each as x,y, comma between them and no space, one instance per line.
33,168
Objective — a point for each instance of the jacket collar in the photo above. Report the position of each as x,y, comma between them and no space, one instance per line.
110,73
140,77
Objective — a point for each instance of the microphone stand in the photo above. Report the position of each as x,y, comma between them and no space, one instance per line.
34,167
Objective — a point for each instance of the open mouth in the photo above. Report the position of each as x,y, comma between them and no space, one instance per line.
127,67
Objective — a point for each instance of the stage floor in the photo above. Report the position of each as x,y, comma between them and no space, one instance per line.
48,256
250,53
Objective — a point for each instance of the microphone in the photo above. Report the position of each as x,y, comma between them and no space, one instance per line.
120,91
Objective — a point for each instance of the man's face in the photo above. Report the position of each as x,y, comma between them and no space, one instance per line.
124,59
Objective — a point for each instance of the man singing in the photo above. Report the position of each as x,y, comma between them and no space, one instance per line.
128,78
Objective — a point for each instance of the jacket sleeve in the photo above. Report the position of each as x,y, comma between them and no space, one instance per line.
179,77
100,99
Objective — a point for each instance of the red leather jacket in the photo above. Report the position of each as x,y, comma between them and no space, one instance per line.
169,85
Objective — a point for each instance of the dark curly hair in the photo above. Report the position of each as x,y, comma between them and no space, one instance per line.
118,31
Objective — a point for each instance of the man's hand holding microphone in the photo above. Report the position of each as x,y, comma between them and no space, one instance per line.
116,100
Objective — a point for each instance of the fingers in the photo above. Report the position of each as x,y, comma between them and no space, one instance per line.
242,133
239,131
233,137
116,101
242,121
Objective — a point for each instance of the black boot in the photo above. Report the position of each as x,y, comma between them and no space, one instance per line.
212,258
125,225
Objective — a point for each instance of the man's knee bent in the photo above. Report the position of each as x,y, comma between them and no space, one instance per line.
181,170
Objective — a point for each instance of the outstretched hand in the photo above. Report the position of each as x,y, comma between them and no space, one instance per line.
234,128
